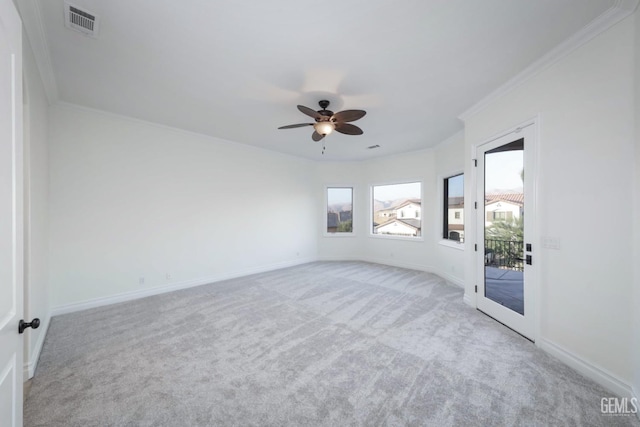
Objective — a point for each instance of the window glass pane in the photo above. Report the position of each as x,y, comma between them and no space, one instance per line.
397,209
454,208
340,210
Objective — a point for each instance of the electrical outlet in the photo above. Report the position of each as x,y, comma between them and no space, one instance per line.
141,280
168,276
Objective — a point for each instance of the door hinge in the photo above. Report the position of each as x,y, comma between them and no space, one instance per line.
475,247
475,205
475,162
476,289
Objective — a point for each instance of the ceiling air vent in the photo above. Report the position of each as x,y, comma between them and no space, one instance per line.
80,20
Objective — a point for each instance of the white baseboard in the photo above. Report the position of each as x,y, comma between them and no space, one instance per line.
142,293
429,269
589,370
449,277
336,258
29,367
396,263
392,262
469,299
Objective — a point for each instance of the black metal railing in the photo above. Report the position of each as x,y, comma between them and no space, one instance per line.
505,254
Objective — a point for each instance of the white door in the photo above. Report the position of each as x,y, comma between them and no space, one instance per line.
505,213
11,238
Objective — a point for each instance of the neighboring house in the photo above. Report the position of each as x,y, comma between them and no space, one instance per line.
455,219
400,220
503,207
399,227
384,215
335,218
345,216
408,210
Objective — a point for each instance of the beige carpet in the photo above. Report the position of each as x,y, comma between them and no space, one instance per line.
322,344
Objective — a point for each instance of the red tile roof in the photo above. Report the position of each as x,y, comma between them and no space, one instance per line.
507,197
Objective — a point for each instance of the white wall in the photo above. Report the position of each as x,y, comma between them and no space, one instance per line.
340,246
585,176
426,253
636,214
36,284
449,256
406,252
130,199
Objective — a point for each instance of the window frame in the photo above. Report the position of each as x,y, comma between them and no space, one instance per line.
371,234
443,186
325,231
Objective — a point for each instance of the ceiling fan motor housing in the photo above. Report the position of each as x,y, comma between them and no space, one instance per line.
324,112
326,115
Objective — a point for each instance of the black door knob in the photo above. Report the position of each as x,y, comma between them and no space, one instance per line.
24,325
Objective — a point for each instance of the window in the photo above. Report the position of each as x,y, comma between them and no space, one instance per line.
396,209
502,216
339,210
453,218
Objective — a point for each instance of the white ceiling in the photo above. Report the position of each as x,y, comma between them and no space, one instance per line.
237,70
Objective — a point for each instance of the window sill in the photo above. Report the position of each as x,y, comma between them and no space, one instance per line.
392,237
452,244
331,235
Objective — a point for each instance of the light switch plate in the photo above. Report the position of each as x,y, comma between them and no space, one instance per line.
551,242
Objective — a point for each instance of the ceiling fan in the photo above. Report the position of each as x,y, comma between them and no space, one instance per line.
327,121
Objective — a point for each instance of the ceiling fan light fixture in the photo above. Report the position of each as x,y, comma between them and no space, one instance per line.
324,128
327,121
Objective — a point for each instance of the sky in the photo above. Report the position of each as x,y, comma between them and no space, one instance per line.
456,186
503,169
411,190
339,196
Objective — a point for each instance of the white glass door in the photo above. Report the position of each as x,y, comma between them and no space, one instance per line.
505,253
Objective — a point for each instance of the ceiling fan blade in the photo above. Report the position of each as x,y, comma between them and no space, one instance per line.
309,112
316,136
348,129
299,125
349,115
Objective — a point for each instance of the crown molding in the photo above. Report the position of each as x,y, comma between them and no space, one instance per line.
458,136
616,13
34,27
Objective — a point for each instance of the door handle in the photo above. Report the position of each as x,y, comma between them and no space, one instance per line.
528,259
22,325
